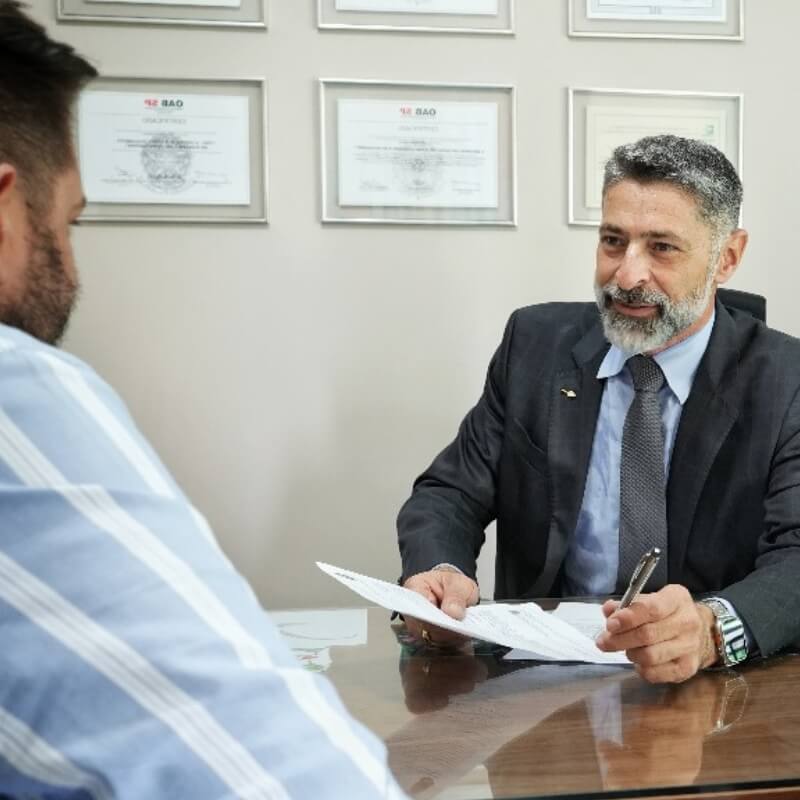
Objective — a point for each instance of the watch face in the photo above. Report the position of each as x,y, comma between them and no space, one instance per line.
725,656
719,642
732,639
728,634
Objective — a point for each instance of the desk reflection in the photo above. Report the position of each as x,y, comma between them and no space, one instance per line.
467,714
518,719
633,736
468,724
662,738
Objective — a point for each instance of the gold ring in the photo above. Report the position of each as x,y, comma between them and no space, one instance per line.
426,637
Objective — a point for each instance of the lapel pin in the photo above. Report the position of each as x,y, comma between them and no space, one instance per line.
568,393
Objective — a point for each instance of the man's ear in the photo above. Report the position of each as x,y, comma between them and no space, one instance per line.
731,255
8,179
8,184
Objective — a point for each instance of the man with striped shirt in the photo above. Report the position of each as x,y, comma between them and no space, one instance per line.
135,661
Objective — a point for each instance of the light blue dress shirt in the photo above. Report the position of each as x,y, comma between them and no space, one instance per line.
136,662
593,558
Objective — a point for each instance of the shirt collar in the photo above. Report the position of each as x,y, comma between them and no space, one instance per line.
679,362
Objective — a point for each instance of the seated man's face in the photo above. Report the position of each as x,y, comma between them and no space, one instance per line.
655,273
38,278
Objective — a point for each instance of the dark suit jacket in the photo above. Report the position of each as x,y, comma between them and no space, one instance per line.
522,454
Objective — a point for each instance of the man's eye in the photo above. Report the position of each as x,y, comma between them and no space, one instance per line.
611,241
664,247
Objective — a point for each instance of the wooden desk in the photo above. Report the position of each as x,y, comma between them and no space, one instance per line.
473,726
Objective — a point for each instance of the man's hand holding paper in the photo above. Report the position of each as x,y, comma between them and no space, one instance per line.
523,626
448,590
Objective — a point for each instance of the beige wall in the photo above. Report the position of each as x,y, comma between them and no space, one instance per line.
296,377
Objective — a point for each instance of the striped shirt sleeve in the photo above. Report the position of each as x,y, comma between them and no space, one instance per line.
136,661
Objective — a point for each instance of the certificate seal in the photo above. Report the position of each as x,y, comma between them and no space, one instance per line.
419,173
166,160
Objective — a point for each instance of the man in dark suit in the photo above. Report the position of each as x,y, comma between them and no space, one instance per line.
542,452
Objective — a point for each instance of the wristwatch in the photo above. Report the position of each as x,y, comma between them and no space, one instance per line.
728,633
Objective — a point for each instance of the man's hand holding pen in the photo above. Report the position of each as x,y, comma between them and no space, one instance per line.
666,635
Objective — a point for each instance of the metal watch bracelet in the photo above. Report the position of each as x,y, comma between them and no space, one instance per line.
729,635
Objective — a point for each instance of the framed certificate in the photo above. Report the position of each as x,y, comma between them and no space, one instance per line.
417,153
657,19
173,150
439,16
602,119
220,13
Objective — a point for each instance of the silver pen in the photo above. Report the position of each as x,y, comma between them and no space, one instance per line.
644,569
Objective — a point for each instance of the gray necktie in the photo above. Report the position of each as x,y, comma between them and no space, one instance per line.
642,495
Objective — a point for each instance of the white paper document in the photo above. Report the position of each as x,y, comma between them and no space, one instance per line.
588,618
487,7
315,628
658,10
311,633
608,127
521,626
417,154
176,148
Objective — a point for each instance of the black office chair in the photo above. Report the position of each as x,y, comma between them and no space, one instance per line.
753,304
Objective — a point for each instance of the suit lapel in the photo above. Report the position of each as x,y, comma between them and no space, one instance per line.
575,396
710,410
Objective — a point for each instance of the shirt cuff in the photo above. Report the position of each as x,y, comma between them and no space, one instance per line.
445,566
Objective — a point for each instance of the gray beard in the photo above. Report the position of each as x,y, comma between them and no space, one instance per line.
634,335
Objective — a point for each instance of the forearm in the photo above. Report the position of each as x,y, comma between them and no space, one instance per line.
440,525
768,601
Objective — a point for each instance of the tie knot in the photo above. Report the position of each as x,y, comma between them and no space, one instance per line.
647,375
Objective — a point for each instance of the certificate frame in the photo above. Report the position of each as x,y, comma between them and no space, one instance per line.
580,24
583,103
255,90
330,18
250,13
331,90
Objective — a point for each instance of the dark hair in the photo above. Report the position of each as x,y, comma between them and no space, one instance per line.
698,168
39,81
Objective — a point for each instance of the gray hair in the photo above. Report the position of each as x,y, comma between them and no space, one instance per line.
694,166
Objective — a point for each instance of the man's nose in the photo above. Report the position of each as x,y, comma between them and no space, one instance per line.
634,269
